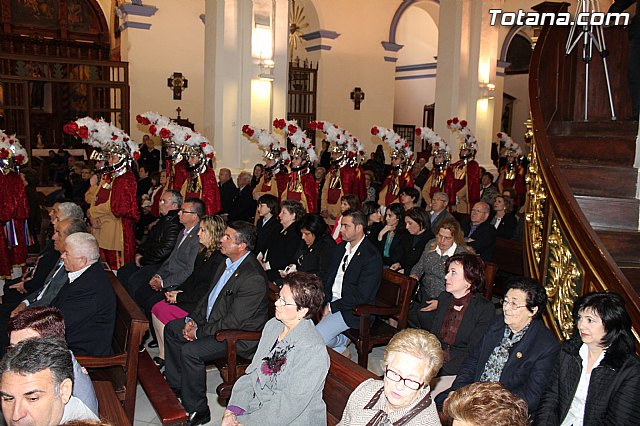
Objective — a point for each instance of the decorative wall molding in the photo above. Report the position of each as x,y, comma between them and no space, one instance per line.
136,25
138,10
317,47
323,38
415,77
390,59
417,67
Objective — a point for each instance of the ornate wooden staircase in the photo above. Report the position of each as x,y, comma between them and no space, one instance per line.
583,213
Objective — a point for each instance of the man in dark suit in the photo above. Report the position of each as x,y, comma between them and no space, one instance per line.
236,299
228,190
479,233
325,155
87,300
439,212
353,279
243,206
178,266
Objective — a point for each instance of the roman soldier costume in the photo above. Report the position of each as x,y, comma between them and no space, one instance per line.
113,208
342,176
462,182
301,185
401,162
14,210
441,157
511,175
274,177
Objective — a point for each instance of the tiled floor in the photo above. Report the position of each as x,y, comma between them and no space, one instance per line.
145,415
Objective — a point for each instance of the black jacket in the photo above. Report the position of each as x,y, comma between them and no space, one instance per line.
475,322
264,233
161,239
228,192
484,239
614,388
526,372
282,249
196,286
243,206
507,227
360,282
413,247
397,247
316,259
89,308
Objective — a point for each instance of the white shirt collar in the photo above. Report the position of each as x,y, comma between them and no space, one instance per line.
352,249
450,252
75,275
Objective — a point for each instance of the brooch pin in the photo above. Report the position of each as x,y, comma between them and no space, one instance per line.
519,355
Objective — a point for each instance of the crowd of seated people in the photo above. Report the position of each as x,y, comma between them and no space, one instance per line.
195,274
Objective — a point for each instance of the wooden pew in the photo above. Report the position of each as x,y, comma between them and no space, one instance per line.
392,301
120,368
344,376
109,406
162,399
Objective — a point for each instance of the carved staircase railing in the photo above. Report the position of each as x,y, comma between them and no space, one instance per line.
562,250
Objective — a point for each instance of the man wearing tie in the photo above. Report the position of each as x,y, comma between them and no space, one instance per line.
236,299
354,279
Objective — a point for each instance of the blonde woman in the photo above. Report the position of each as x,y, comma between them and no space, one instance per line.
182,300
411,359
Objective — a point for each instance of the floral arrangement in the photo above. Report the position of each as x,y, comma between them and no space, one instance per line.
509,144
436,141
267,141
10,148
102,135
461,127
171,132
296,135
394,141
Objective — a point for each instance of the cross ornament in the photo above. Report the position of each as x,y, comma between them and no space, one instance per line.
177,83
357,96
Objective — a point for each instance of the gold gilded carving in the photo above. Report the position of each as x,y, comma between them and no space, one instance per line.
562,280
537,195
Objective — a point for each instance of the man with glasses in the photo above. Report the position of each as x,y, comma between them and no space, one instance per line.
479,232
87,300
354,277
178,266
159,243
237,299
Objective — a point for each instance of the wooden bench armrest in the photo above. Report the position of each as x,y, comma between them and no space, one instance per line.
109,406
231,336
161,397
101,361
369,310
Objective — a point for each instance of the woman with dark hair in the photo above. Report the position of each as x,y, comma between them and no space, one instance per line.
258,169
419,230
347,202
390,239
408,197
316,253
504,220
284,382
461,314
517,350
285,240
371,210
266,221
596,379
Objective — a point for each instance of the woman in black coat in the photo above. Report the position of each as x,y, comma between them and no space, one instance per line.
596,379
391,238
504,218
317,251
418,227
285,240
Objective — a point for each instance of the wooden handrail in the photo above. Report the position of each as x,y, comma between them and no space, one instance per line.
561,246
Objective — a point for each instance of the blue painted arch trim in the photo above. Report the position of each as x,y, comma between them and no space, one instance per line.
509,38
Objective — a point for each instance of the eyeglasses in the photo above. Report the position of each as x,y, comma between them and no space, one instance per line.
183,211
395,377
284,302
511,304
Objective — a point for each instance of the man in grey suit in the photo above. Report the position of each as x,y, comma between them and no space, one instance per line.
58,275
178,266
439,211
237,298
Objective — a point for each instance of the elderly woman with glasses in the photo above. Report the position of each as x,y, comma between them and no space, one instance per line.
517,349
284,382
596,379
411,359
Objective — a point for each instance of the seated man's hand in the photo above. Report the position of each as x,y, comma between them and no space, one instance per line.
19,287
21,307
156,283
395,266
415,276
189,331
